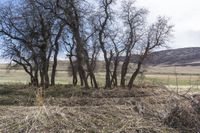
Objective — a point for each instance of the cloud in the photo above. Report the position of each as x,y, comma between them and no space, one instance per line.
188,38
184,15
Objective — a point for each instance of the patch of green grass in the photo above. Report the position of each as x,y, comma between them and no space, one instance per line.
172,81
62,77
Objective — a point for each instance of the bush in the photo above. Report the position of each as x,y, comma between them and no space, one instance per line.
186,119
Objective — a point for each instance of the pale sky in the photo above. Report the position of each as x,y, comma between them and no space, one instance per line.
183,14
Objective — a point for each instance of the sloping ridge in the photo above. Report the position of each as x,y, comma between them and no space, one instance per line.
173,57
178,57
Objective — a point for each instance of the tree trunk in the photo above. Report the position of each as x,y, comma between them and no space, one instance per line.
41,78
46,78
107,63
93,80
56,43
36,77
80,57
53,74
133,77
90,70
124,70
108,81
114,75
36,68
45,72
74,71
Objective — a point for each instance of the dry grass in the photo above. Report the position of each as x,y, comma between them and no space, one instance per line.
143,109
102,119
140,110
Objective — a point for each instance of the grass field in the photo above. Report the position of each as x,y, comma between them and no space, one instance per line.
171,76
159,75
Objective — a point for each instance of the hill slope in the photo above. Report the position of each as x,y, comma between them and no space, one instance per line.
180,57
173,57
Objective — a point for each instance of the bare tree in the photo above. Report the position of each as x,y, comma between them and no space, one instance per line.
119,48
157,36
134,20
73,67
36,31
91,57
31,28
18,44
56,45
104,18
71,14
21,57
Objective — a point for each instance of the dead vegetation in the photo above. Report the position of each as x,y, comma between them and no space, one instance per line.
144,109
185,116
79,119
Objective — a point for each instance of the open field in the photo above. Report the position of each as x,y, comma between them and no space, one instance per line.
171,76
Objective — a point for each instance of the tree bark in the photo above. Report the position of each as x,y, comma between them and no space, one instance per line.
134,75
74,71
114,75
53,74
80,57
124,70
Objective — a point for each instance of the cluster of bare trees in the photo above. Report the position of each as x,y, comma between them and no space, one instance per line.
34,32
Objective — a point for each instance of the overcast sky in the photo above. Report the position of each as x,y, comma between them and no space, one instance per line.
183,14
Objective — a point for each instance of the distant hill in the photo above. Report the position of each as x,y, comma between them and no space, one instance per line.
173,57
